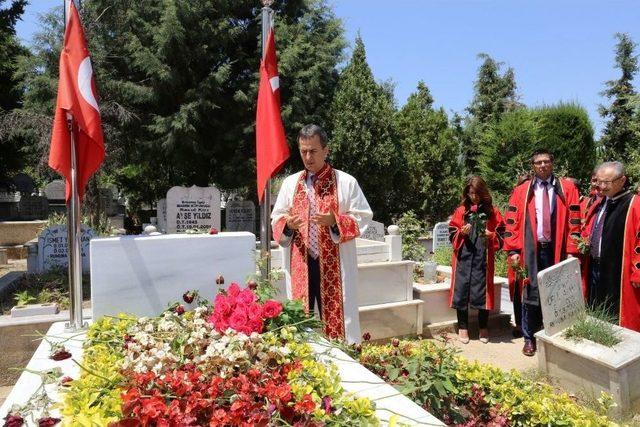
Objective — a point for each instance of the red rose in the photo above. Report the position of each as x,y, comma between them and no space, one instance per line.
474,208
251,284
238,321
48,422
246,296
271,309
13,420
306,405
222,305
255,325
179,310
234,290
213,230
219,280
188,297
64,381
60,354
366,336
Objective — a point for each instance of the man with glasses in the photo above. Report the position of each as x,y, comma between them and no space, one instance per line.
542,215
612,227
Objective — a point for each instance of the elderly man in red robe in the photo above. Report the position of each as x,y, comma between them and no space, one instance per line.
542,216
612,228
317,216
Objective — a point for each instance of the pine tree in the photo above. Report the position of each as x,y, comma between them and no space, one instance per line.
619,139
363,142
431,150
11,157
495,94
178,84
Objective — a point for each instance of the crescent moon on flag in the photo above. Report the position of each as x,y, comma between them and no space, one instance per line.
85,76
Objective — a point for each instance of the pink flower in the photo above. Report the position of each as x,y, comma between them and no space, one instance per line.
246,296
233,290
271,309
222,305
255,325
474,208
213,230
238,321
13,420
255,311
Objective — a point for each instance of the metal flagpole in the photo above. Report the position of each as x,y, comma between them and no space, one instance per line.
73,239
265,208
73,230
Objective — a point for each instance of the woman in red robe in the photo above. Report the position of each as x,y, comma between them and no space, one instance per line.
475,232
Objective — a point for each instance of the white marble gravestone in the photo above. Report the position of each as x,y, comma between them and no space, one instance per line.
441,235
374,231
161,215
55,190
240,216
561,295
142,274
52,248
191,208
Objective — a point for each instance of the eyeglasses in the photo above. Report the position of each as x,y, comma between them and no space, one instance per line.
542,162
608,182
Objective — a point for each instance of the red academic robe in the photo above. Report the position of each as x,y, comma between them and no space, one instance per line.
495,225
331,292
521,231
629,295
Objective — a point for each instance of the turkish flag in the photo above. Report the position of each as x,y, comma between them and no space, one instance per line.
271,145
76,98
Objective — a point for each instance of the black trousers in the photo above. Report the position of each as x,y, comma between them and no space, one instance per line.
313,266
463,318
532,314
517,304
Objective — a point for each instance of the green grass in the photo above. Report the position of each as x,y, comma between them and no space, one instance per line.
596,325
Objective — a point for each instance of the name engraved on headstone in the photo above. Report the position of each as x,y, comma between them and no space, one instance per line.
374,231
193,208
240,216
561,295
441,235
53,247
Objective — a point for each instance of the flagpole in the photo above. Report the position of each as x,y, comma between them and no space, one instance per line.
73,229
73,239
265,208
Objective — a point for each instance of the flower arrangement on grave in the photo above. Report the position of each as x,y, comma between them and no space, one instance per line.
243,359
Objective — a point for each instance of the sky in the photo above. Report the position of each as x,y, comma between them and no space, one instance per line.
560,50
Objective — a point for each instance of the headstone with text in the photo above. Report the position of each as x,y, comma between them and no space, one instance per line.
240,216
190,208
374,231
161,214
53,248
561,297
441,236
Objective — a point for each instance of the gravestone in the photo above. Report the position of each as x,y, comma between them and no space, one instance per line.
241,216
55,190
108,201
161,216
374,231
33,207
24,183
191,208
9,201
52,248
561,295
441,236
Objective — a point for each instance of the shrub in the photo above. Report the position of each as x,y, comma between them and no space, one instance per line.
442,256
411,229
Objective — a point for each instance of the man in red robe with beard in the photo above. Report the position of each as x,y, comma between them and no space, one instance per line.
612,228
542,215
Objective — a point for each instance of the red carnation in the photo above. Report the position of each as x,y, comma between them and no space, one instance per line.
13,420
213,230
48,421
188,297
179,310
271,309
60,354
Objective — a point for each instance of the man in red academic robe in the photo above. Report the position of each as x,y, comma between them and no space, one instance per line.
612,228
542,216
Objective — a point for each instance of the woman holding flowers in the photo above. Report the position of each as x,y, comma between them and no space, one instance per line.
475,232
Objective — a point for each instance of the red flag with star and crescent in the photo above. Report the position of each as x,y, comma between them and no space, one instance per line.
77,98
271,145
